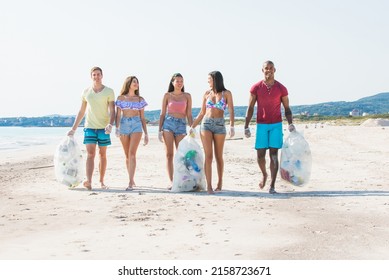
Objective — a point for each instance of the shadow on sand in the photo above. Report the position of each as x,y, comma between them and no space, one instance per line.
232,193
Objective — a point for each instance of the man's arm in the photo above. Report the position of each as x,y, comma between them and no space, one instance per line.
250,110
111,106
77,121
288,113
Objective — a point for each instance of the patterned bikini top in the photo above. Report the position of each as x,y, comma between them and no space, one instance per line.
221,104
131,105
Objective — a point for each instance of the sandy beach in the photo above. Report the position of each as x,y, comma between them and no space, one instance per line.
341,214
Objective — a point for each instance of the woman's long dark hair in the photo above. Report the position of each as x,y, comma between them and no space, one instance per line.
218,83
127,84
171,87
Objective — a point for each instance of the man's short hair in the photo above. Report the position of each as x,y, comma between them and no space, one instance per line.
96,68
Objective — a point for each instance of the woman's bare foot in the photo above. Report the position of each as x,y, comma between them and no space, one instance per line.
263,182
87,185
219,186
210,191
103,186
131,186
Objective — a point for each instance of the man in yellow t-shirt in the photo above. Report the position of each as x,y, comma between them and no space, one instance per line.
98,103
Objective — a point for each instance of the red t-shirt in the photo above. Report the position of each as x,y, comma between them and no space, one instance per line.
269,101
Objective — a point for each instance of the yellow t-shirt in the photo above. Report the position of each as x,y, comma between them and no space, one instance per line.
97,113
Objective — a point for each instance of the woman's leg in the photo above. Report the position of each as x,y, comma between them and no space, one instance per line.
206,139
125,140
219,140
178,139
168,138
133,147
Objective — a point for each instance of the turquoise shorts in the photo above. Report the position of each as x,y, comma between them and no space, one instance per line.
269,136
96,136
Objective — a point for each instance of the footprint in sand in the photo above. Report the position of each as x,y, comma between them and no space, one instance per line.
122,218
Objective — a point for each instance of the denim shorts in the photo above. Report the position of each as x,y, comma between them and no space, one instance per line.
214,125
175,125
130,125
93,136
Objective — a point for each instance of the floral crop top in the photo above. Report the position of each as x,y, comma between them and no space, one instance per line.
129,105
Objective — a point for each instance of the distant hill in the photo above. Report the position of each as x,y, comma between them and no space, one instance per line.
373,105
376,104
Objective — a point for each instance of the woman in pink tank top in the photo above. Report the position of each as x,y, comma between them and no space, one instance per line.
176,114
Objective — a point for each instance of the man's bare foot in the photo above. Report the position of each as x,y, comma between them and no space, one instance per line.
263,182
87,185
272,190
218,189
103,186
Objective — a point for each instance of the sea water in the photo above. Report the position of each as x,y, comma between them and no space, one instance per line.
14,138
21,138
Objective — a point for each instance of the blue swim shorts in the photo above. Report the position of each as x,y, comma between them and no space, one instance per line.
96,136
130,125
177,126
269,136
214,125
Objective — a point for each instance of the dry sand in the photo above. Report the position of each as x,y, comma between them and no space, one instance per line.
342,213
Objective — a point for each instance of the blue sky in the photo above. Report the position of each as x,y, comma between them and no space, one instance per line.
324,50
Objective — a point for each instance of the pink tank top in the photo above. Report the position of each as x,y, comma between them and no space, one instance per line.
176,107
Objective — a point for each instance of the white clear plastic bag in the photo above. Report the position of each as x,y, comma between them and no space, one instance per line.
68,163
188,166
296,159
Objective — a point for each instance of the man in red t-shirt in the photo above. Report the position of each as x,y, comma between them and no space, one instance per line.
268,94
